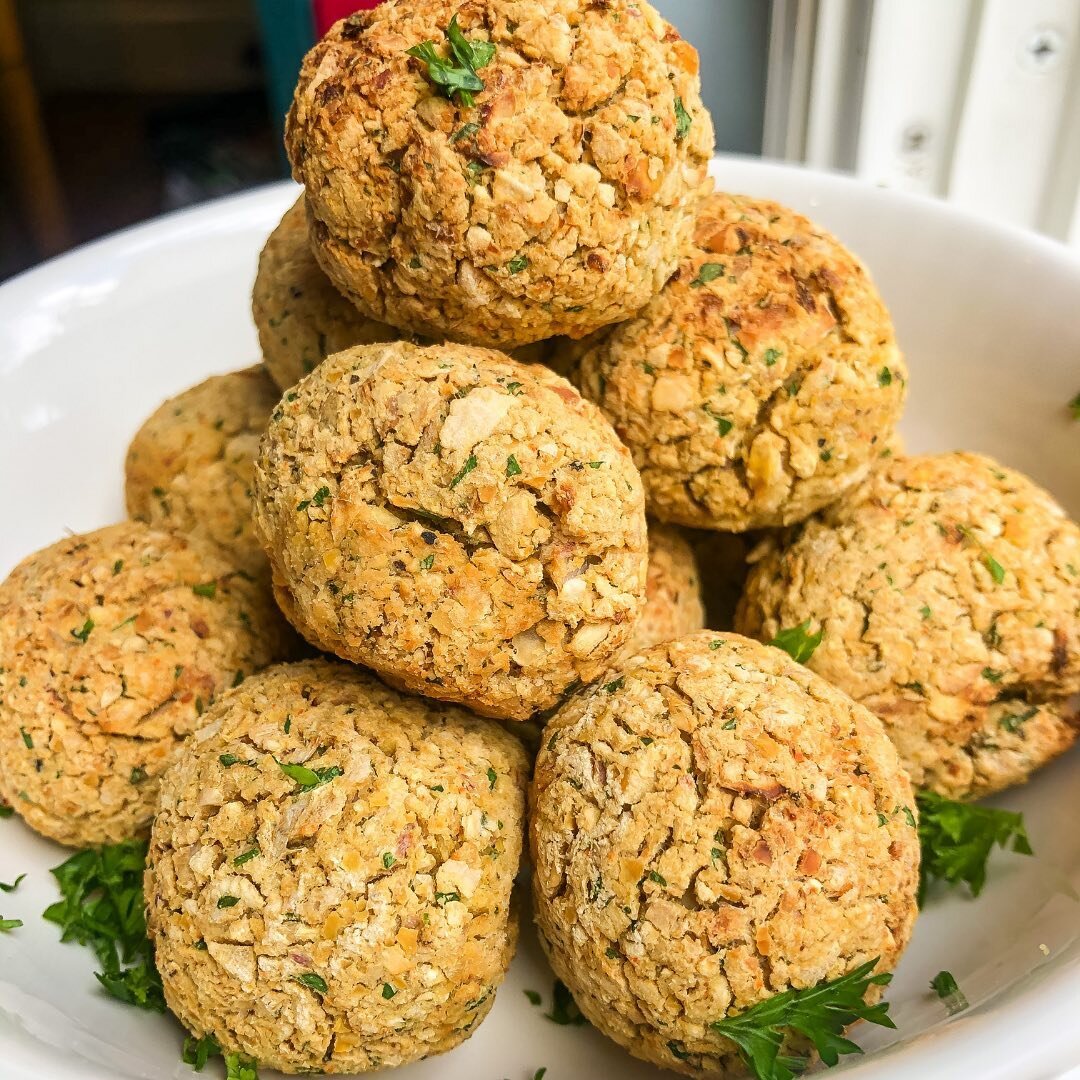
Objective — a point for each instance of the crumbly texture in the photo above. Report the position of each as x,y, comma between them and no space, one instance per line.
112,646
360,924
673,605
190,465
301,318
722,565
714,826
948,590
466,525
556,205
762,382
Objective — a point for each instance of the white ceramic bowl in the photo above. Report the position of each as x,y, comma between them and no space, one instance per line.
92,342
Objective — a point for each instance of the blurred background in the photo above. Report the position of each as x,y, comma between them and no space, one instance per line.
113,111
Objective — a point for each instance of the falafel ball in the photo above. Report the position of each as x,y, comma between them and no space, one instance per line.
673,605
763,380
113,643
329,876
947,590
553,200
715,826
467,526
189,467
301,318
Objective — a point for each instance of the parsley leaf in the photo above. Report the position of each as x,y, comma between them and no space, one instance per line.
517,264
683,120
207,589
306,778
564,1010
798,642
312,982
512,466
709,272
6,811
820,1014
464,471
5,887
1074,407
197,1052
7,925
945,986
458,78
957,839
102,907
84,633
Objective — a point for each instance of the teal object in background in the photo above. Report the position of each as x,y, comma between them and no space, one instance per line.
732,37
288,31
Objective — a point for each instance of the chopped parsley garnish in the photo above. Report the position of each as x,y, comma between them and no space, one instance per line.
117,567
28,742
997,571
1074,407
657,879
515,266
771,356
317,499
251,853
207,589
7,925
447,898
197,1052
464,471
308,779
492,776
1014,722
730,725
615,684
683,120
456,74
138,776
992,674
6,811
512,466
466,131
925,612
388,860
514,388
102,907
820,1014
884,377
533,996
226,902
388,991
427,562
709,271
594,464
312,982
798,642
945,986
564,1010
957,839
229,760
5,887
84,633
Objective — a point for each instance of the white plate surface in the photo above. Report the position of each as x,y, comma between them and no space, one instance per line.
92,342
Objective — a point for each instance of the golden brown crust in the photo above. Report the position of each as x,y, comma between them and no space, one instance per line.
948,589
764,379
189,467
113,643
673,605
714,826
301,318
555,206
464,524
386,886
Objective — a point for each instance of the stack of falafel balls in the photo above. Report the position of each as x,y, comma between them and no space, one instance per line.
527,383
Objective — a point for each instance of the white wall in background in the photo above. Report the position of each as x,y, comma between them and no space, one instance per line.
974,100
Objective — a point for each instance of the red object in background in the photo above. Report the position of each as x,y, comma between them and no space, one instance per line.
327,12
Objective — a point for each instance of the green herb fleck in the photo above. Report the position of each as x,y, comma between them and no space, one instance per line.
657,879
84,633
117,567
5,887
466,131
306,778
925,612
516,265
492,776
1014,722
388,991
427,562
207,589
884,377
445,898
709,271
771,356
798,642
312,982
533,996
512,466
7,925
464,471
138,776
251,853
997,571
564,1010
456,79
1074,407
225,902
683,120
945,986
992,675
388,860
615,684
28,742
197,1052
